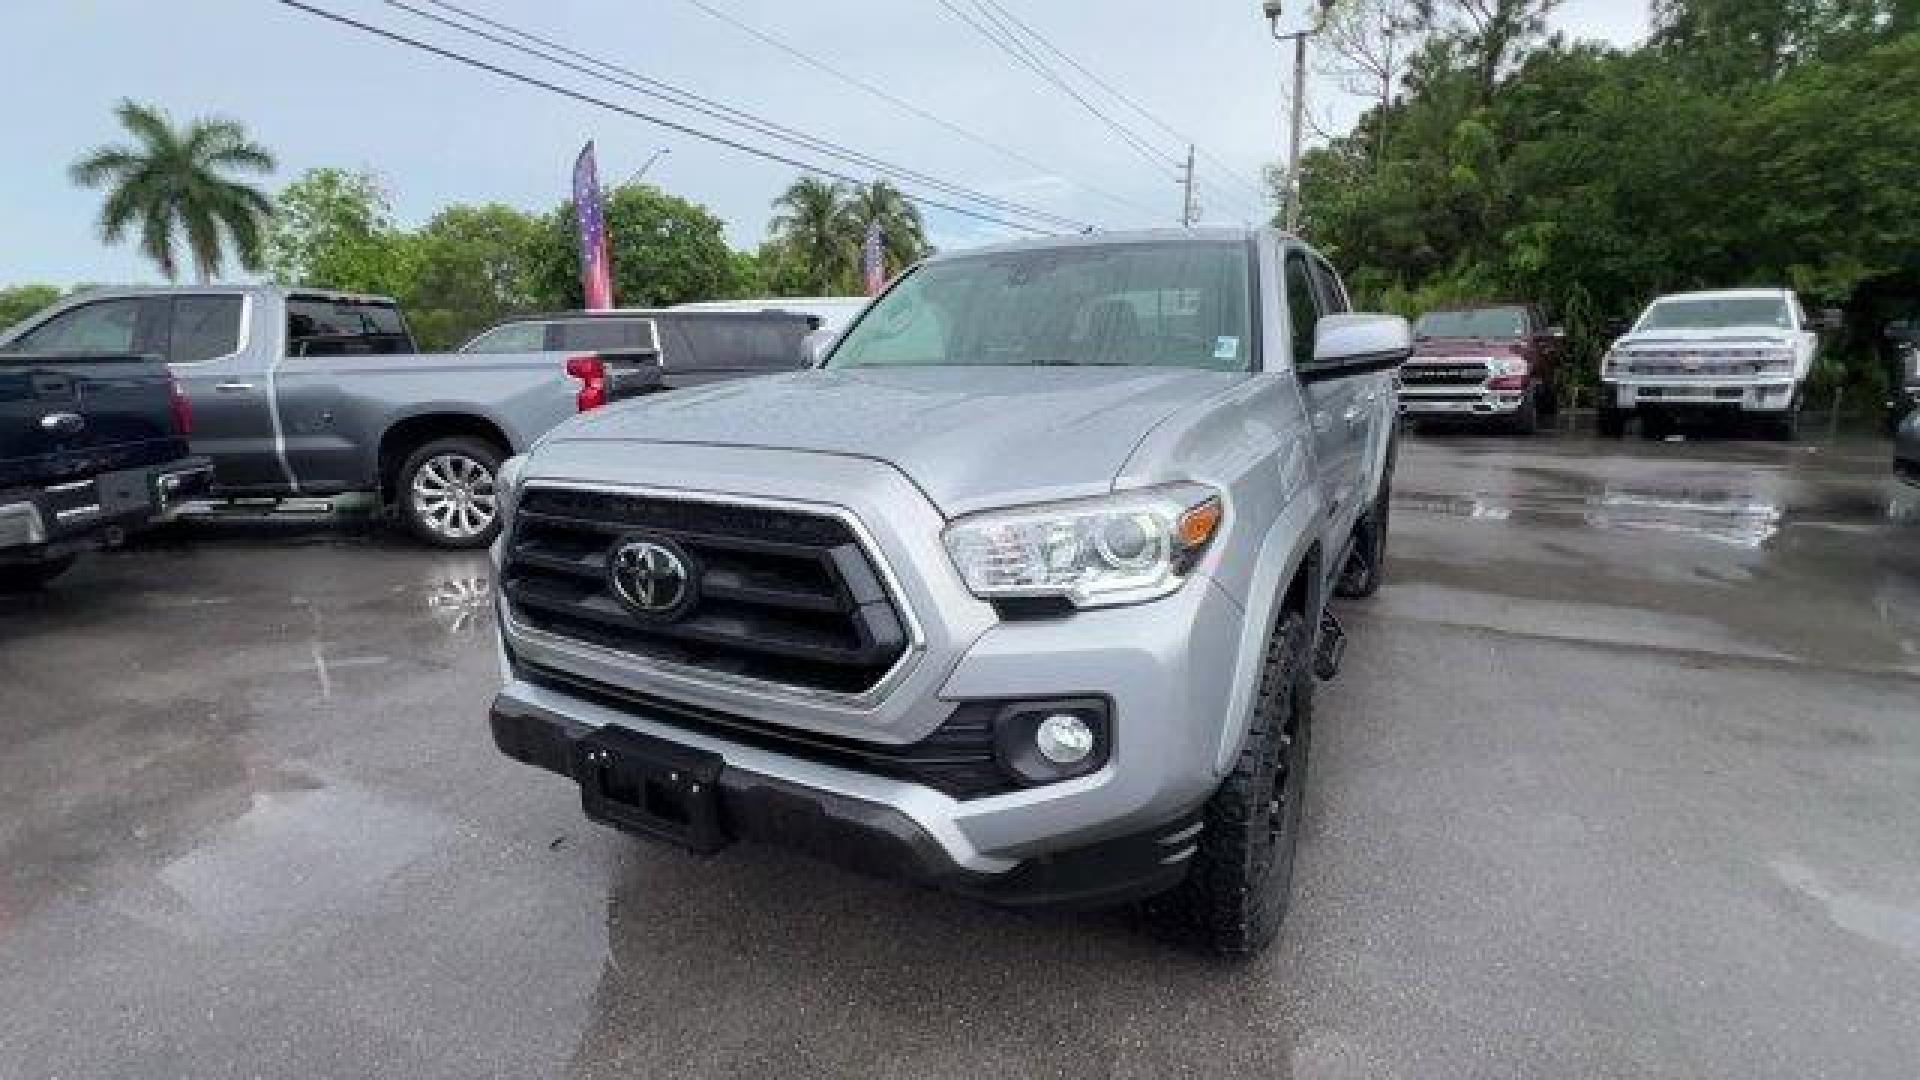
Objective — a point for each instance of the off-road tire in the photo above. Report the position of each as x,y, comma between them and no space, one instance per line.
1612,423
1656,425
1235,894
425,468
25,577
1526,420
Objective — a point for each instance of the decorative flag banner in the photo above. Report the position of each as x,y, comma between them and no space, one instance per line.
596,269
873,259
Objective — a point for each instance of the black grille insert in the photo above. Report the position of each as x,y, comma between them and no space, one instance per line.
785,596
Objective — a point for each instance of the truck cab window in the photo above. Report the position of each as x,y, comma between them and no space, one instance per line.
204,327
103,326
512,338
323,326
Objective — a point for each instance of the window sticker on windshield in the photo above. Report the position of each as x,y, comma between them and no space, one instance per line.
1226,348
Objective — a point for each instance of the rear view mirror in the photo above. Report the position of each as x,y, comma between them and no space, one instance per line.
1350,344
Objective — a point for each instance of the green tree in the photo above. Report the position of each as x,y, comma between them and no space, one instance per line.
903,234
665,250
174,184
334,229
815,256
20,301
471,266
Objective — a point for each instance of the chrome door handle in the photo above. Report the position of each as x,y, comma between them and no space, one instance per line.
233,387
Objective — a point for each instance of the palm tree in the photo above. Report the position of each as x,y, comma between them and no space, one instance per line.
173,184
903,234
810,231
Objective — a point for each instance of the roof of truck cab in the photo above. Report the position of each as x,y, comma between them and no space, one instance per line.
1723,294
1204,234
256,289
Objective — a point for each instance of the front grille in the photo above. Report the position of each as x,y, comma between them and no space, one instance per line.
956,759
784,596
1443,375
1691,365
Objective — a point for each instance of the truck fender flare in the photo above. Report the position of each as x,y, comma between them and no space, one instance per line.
1291,544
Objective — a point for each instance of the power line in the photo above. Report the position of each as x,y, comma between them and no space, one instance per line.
1138,144
686,99
908,106
671,125
1103,84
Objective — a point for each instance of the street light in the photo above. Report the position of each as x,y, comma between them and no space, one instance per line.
1273,10
642,171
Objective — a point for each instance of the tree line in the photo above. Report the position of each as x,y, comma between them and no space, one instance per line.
1747,142
181,193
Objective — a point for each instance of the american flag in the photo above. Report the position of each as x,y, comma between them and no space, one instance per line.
873,259
596,269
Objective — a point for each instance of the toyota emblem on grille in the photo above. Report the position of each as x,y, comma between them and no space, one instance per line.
653,577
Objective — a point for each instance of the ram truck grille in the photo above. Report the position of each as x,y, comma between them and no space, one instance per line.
1443,376
781,596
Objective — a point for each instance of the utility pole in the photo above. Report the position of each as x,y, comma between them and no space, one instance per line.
1272,9
1186,181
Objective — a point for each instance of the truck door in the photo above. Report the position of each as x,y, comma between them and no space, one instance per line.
1333,409
207,346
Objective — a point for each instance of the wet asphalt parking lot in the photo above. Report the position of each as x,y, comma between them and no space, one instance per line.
1622,778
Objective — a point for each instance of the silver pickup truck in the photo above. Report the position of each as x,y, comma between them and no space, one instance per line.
1021,593
306,392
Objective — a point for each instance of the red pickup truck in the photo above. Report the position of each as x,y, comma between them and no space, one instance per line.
1489,363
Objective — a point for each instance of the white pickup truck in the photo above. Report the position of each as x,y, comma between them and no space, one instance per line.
1739,352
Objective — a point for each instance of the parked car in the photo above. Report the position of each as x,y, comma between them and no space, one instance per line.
834,315
1743,353
1490,363
649,350
1021,593
91,445
304,392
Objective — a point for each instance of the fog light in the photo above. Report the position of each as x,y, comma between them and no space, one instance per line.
1064,739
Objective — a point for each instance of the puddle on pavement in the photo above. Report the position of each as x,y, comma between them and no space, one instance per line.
1857,913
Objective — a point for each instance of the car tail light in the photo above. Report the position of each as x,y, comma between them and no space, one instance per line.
592,373
181,408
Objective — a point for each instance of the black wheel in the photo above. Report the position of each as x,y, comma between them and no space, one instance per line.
1526,421
1655,426
1367,564
1784,427
1612,422
24,577
1235,893
444,492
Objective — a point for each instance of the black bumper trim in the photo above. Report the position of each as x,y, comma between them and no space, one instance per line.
120,500
875,839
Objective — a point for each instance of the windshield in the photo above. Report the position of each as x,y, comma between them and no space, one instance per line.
1709,312
1497,322
1177,304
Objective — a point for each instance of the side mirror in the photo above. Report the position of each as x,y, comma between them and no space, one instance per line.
1827,319
1350,344
1557,333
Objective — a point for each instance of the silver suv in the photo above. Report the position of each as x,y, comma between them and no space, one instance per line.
1020,593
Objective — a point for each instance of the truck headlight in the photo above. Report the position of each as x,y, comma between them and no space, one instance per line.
1776,361
1612,364
1116,549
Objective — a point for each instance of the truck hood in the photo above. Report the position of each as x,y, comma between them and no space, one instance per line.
1733,337
969,437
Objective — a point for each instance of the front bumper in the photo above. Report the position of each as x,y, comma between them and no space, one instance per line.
1461,402
1769,396
50,521
863,834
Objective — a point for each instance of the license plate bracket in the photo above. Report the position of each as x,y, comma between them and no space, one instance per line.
643,784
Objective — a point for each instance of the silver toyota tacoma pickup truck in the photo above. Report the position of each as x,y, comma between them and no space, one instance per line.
1020,593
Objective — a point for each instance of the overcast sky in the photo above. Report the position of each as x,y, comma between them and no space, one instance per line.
321,94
